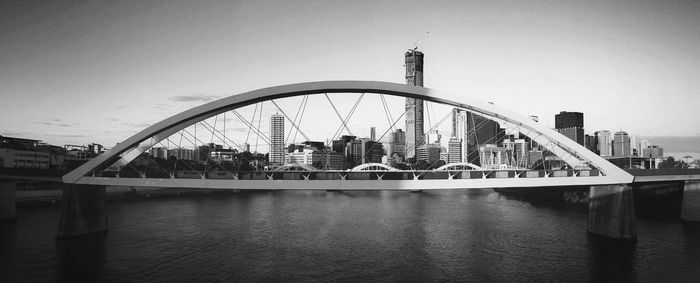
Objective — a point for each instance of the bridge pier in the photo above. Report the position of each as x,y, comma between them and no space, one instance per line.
690,209
83,210
611,212
8,195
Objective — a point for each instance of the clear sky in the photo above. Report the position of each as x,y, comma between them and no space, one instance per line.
99,71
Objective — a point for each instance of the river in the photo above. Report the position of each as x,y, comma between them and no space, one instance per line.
435,236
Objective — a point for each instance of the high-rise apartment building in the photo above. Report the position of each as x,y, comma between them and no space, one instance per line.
276,154
459,130
570,124
414,107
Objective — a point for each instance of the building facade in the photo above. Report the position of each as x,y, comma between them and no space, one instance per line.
481,131
454,150
276,154
604,140
414,107
570,124
429,153
621,144
321,159
397,144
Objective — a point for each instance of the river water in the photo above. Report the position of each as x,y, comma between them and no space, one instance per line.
469,235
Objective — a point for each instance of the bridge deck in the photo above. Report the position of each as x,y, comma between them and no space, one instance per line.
665,175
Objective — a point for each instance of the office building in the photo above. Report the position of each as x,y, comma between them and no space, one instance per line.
454,150
158,152
493,157
397,143
570,124
604,142
414,107
652,152
372,133
521,153
642,145
621,144
363,150
321,159
182,153
430,153
276,154
481,131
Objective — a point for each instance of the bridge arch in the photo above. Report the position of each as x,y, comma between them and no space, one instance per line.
571,152
290,166
368,166
461,164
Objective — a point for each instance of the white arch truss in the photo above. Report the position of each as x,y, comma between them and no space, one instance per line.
462,164
575,155
368,166
286,167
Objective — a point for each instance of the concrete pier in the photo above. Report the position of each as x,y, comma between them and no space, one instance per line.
8,194
611,212
83,210
690,209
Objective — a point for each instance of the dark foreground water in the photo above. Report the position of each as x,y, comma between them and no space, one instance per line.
477,235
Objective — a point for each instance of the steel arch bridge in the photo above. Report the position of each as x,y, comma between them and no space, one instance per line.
585,167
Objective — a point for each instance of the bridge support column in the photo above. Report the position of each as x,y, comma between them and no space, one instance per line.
611,212
690,209
8,195
83,210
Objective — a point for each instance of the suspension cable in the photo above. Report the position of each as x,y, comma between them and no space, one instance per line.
250,126
382,136
339,117
293,124
347,118
251,122
301,105
303,111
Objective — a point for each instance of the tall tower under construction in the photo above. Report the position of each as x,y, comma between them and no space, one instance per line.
414,107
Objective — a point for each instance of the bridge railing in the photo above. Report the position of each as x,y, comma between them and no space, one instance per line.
354,175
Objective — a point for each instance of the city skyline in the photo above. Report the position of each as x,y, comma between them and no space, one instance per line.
128,65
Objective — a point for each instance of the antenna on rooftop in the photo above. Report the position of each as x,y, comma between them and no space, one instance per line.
425,35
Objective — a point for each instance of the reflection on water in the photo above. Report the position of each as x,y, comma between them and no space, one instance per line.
470,235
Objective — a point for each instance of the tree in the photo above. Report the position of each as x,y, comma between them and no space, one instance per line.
671,162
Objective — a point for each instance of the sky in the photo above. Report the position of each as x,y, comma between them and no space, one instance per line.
77,72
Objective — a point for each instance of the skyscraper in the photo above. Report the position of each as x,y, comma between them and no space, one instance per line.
621,144
398,143
604,139
414,107
276,139
372,133
480,131
570,124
